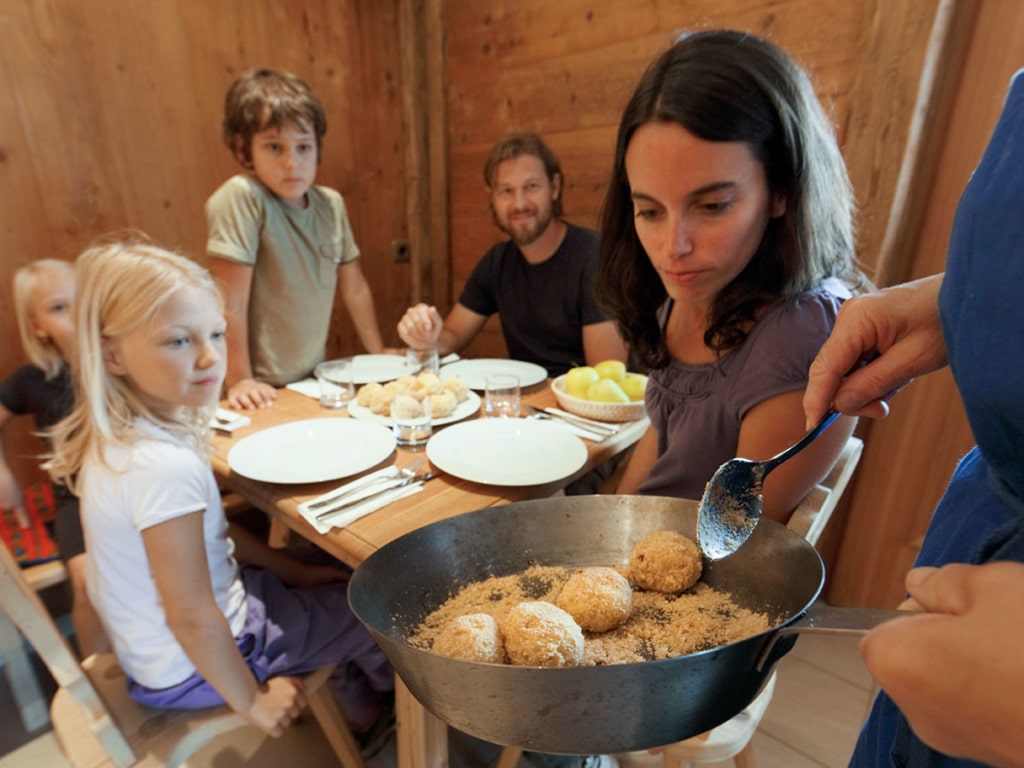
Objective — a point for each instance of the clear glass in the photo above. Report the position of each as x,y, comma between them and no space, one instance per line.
410,420
422,360
501,396
335,380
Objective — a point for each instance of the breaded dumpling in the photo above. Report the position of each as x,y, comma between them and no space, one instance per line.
366,393
598,598
442,405
428,383
406,407
665,561
473,637
540,634
457,387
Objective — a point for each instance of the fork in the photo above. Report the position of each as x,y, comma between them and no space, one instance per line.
347,504
590,434
333,497
580,423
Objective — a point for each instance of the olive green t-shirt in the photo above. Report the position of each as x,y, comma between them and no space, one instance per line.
295,255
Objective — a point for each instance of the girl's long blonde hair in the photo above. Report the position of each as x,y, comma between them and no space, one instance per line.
42,353
121,285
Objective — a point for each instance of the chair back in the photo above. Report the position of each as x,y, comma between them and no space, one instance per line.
814,512
18,599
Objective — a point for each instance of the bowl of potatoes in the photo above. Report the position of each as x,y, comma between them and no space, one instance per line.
605,391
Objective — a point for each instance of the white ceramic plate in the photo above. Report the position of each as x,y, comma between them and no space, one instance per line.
468,407
367,368
473,372
507,451
311,451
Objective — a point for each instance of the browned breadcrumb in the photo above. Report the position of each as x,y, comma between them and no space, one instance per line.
598,598
665,561
474,637
661,625
539,634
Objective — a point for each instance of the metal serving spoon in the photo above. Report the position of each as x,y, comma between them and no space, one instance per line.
731,506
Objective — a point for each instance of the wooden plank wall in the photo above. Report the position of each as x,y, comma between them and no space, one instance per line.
110,113
909,456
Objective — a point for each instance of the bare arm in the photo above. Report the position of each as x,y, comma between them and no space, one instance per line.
774,425
358,300
956,672
421,327
177,559
601,341
902,325
645,453
243,391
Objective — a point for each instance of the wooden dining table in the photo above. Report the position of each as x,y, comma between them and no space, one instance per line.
421,738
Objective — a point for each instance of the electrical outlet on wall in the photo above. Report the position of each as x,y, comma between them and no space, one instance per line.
400,250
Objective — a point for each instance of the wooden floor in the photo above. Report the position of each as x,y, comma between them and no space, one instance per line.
821,698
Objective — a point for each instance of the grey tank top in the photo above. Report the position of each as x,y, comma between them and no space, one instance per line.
697,410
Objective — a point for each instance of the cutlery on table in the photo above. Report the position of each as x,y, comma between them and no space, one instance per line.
603,426
228,421
595,430
574,428
397,483
391,474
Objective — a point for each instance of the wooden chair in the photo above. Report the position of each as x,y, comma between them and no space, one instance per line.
99,726
731,739
21,677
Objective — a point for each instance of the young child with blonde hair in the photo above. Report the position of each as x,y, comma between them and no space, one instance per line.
199,611
44,297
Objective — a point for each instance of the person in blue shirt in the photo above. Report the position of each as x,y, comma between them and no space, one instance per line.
952,674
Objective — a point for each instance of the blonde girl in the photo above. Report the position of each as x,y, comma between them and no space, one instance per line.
189,625
44,297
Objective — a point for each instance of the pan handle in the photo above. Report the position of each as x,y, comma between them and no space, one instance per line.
822,618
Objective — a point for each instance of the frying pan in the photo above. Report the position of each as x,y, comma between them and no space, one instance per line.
588,710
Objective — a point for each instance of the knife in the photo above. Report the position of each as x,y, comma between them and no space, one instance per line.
392,473
348,503
581,422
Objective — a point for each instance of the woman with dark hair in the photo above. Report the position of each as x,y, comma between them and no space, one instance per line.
727,248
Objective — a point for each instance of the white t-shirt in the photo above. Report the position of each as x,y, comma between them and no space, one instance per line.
154,479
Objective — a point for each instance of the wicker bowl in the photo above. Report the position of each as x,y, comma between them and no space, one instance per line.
595,410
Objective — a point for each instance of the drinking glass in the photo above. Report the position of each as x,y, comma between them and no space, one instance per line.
410,420
335,380
501,396
422,361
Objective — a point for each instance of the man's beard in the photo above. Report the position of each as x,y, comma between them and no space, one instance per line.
527,232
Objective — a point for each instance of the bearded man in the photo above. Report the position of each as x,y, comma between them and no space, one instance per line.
540,281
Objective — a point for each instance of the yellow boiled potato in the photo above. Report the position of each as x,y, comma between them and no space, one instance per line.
606,391
611,369
578,379
634,385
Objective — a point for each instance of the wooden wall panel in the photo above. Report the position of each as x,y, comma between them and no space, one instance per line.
110,114
910,455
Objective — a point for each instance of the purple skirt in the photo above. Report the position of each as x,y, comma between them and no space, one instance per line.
291,631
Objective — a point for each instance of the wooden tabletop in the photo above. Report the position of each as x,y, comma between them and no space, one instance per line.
421,738
443,497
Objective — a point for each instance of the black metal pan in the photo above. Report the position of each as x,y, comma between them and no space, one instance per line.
588,710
